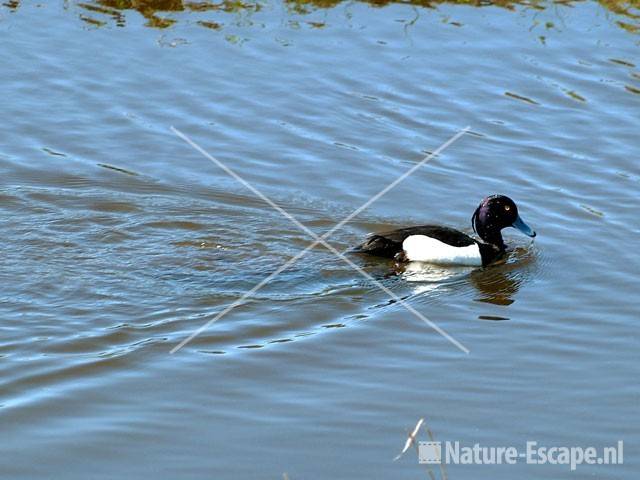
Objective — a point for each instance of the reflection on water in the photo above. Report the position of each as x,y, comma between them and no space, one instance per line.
158,13
151,9
427,278
497,284
500,283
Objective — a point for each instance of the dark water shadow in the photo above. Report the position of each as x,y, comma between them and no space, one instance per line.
500,283
496,286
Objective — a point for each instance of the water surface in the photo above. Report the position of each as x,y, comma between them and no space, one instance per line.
119,239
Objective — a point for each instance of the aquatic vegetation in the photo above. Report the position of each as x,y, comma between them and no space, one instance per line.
627,8
161,13
155,11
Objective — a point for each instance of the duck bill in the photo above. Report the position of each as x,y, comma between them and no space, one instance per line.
523,227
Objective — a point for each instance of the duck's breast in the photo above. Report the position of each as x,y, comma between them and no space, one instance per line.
421,248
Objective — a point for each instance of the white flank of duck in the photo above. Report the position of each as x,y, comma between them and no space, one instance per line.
420,248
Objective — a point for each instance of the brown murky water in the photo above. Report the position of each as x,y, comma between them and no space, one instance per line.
119,240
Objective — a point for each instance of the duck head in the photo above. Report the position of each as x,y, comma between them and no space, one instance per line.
495,213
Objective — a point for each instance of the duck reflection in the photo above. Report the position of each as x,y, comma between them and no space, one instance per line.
426,277
497,284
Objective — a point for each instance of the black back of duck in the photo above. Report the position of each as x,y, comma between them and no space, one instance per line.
389,244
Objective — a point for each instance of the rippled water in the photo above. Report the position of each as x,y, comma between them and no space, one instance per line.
119,239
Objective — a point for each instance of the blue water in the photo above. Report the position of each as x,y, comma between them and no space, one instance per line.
120,240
